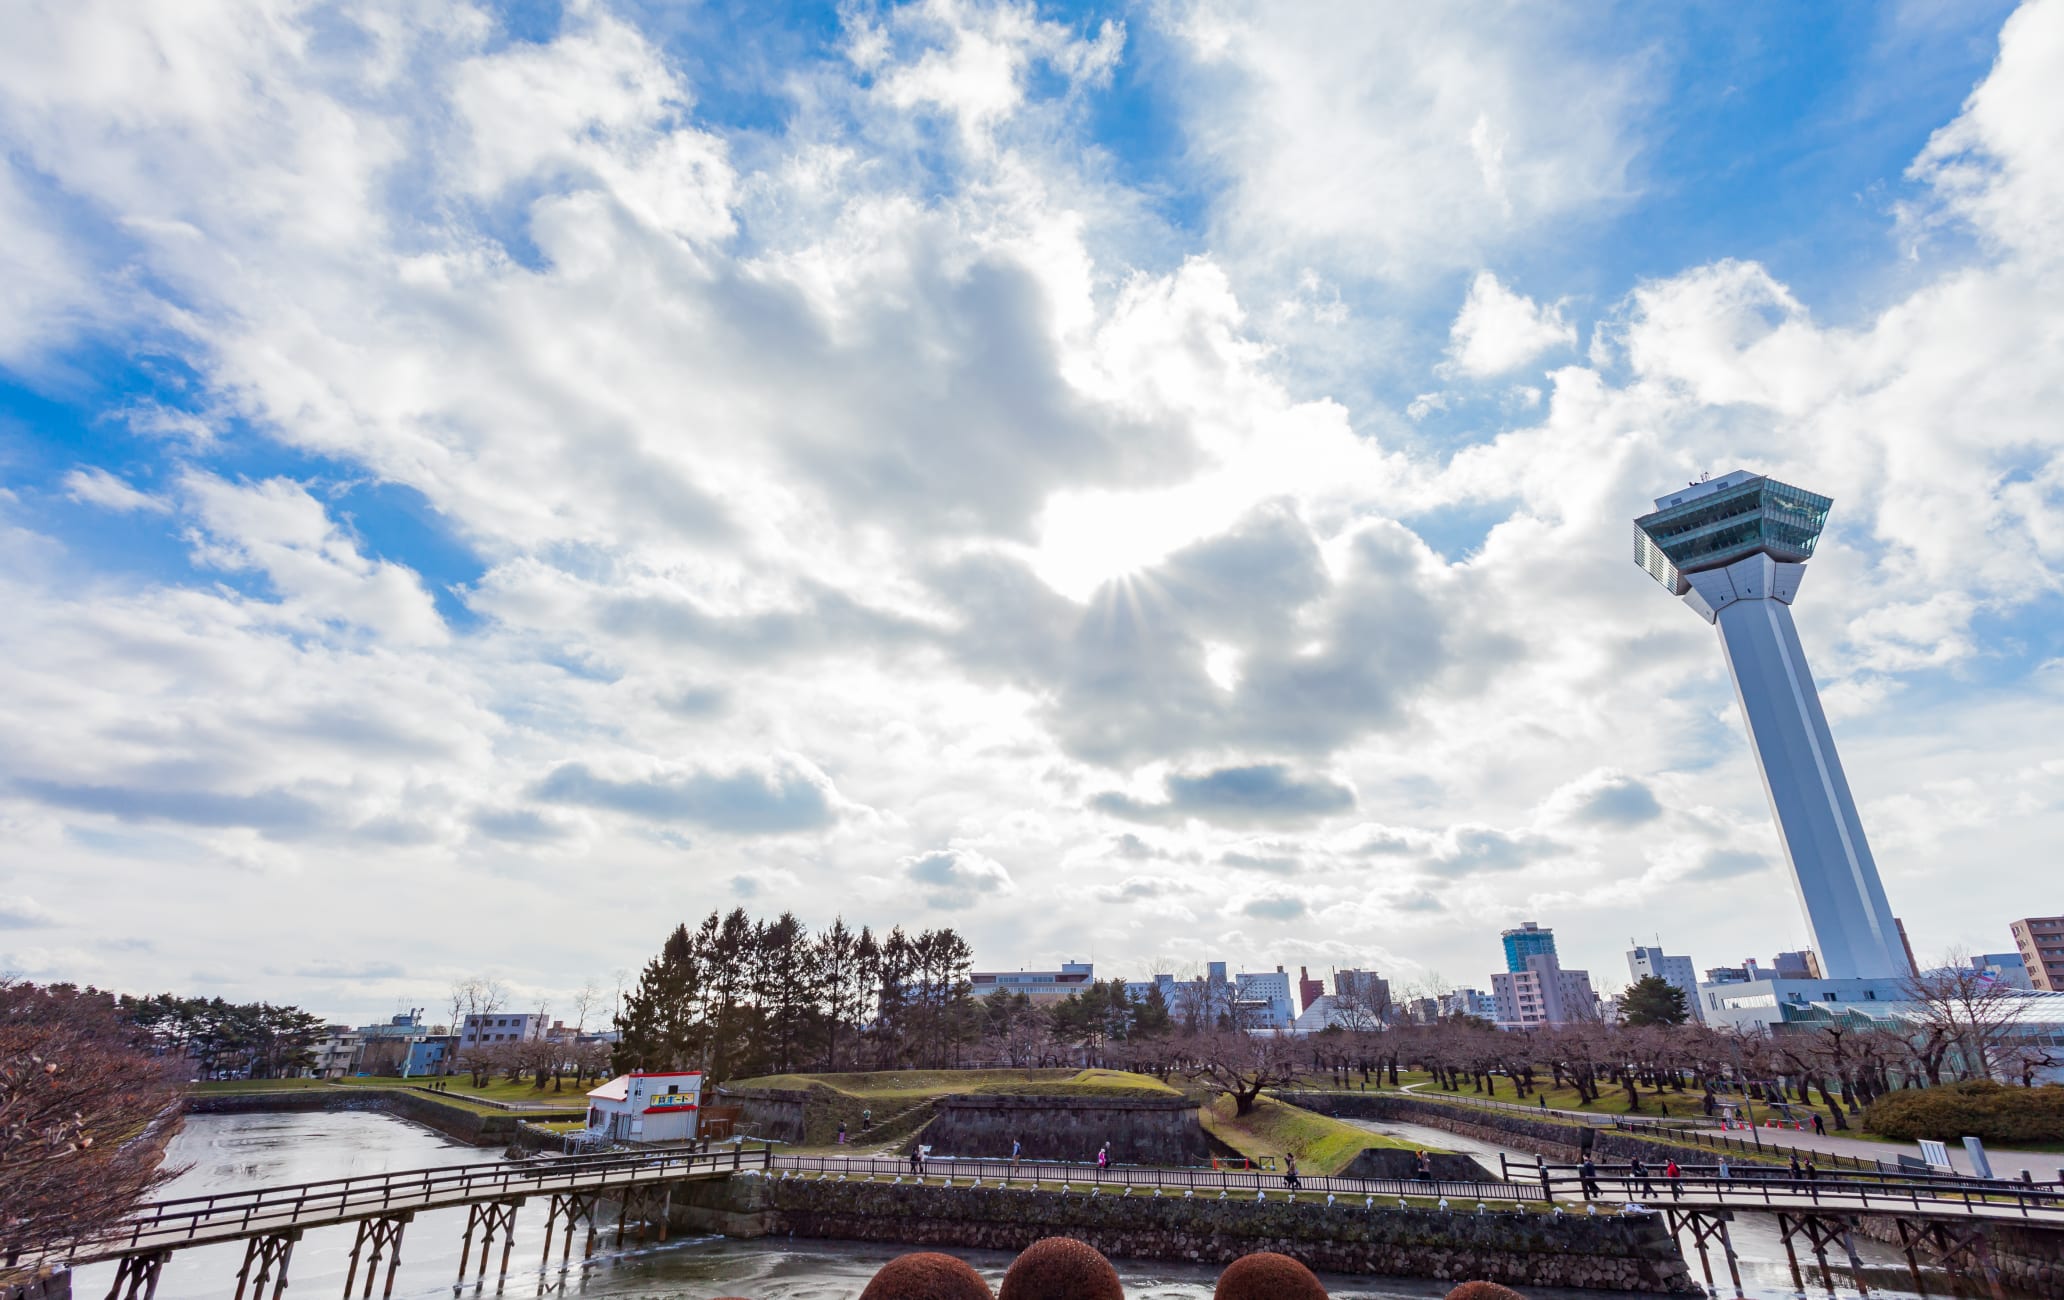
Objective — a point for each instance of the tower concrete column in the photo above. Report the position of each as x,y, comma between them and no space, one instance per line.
1734,550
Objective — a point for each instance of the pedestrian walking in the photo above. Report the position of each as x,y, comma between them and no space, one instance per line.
1795,1168
1676,1178
866,1118
916,1162
1016,1148
1290,1170
1422,1167
1811,1173
1638,1172
1819,1125
1724,1172
1103,1158
1588,1173
842,1133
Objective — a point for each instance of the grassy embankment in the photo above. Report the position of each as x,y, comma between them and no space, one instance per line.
902,1100
1323,1146
460,1087
467,1099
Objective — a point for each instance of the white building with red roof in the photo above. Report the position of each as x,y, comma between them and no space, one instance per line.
640,1107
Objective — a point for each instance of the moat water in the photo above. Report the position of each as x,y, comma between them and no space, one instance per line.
230,1152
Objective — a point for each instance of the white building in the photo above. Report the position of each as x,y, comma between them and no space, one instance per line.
640,1107
500,1027
1469,1002
1044,987
1543,995
1735,549
1677,972
1265,999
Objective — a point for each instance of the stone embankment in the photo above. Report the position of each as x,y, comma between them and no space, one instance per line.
1605,1252
458,1122
1150,1130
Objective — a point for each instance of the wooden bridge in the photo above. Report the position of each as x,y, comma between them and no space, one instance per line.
271,1219
1943,1217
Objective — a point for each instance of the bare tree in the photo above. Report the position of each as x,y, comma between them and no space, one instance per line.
85,1112
584,1003
1238,1063
1966,1007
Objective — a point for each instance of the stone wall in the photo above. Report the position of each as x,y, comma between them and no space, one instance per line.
1606,1252
776,1114
1141,1130
1378,1162
51,1286
2029,1259
452,1121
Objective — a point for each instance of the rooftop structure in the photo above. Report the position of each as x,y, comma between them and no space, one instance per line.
1674,971
1734,548
1527,940
1041,986
2040,940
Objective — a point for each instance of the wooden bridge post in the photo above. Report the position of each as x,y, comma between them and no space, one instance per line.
1733,1261
1855,1260
136,1276
573,1206
488,1218
383,1234
268,1252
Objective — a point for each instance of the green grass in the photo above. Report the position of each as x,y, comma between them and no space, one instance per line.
1323,1146
896,1089
218,1087
460,1087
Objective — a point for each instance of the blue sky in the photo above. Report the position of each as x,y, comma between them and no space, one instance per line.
923,462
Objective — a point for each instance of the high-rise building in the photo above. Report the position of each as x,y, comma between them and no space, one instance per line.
1528,940
1542,993
1735,549
1677,972
1309,990
2040,940
2006,969
1264,999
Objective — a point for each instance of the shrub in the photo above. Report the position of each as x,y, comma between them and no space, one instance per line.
1979,1108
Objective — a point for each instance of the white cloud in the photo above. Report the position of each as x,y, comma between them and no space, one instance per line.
1498,330
95,486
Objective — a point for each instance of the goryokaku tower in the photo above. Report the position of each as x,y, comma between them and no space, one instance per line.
1734,548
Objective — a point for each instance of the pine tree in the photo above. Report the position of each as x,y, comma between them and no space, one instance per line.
1653,1000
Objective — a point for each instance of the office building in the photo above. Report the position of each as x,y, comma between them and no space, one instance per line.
1364,987
2040,941
1735,550
1263,999
500,1027
1469,1002
1529,940
1677,972
1543,995
1043,987
1309,990
2005,969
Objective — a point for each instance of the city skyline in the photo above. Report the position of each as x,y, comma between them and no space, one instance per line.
1126,481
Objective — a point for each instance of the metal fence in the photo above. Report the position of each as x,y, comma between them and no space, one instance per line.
1028,1173
230,1214
1779,1190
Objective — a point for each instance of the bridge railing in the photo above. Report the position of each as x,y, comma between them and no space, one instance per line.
1120,1177
1699,1130
1969,1196
230,1213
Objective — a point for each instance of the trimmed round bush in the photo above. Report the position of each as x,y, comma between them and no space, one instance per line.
1484,1291
1265,1275
1060,1268
927,1275
1978,1108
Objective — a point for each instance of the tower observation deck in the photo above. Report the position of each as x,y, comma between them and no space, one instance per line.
1734,549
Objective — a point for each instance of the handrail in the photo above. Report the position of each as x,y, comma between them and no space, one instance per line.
1123,1176
1974,1197
186,1219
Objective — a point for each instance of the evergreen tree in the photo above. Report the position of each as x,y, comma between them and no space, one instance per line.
1653,1001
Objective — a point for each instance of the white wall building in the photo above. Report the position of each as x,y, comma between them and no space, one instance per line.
1542,995
1265,999
1677,972
639,1107
500,1027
